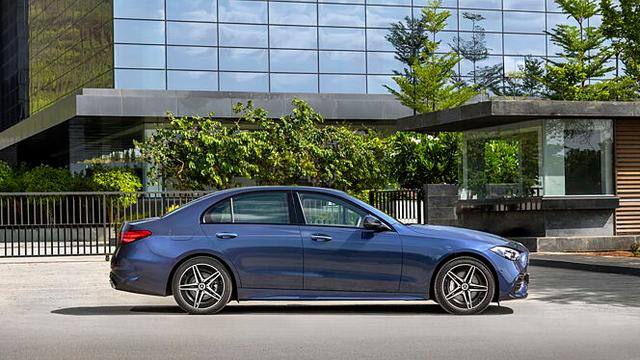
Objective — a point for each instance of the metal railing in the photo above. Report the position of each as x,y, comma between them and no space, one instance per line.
80,223
405,205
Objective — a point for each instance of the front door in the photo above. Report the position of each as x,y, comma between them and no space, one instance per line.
339,254
256,233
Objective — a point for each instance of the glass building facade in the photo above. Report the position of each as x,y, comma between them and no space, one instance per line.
325,46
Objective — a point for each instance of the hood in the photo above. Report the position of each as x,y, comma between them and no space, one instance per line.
438,231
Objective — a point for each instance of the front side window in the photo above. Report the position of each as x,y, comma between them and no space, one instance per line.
327,210
257,208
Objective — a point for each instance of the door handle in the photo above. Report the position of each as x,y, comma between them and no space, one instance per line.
320,237
226,235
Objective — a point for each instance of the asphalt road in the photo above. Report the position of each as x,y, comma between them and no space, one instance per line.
66,310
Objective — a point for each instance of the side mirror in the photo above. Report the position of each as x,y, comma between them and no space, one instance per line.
371,222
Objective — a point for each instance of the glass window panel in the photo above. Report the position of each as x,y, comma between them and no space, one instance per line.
321,209
345,84
493,42
492,20
375,84
298,83
243,35
513,63
192,80
138,31
552,5
219,213
182,33
244,81
240,11
341,15
293,37
139,56
447,40
261,208
466,66
384,16
557,19
341,38
481,4
294,60
342,1
139,9
524,22
192,58
382,63
595,21
524,44
376,40
397,2
452,20
243,59
292,14
342,62
192,10
524,5
140,79
552,48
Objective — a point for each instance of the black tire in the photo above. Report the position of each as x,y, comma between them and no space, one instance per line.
458,294
206,295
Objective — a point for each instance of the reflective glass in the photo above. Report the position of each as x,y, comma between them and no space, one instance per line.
492,20
328,210
138,31
513,63
447,40
294,60
376,40
375,84
140,79
244,81
382,63
384,16
524,5
243,35
524,44
298,83
192,80
240,11
595,21
243,59
552,48
192,58
346,84
139,9
292,13
341,15
480,4
261,208
466,66
183,33
293,37
341,38
342,1
493,42
557,19
191,10
552,5
452,20
524,22
396,2
139,56
342,62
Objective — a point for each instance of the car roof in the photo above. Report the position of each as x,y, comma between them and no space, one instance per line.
277,188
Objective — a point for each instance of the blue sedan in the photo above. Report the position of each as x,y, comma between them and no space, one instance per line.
306,243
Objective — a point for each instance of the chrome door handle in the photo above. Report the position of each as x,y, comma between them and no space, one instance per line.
320,237
226,235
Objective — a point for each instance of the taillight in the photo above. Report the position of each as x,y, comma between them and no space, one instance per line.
133,235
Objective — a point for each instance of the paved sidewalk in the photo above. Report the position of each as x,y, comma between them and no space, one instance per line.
605,264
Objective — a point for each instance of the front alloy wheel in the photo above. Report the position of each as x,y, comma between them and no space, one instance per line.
464,286
201,285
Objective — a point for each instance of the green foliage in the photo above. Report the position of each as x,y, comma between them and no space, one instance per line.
635,248
417,159
407,38
621,23
45,178
501,163
9,179
433,85
526,81
117,179
294,149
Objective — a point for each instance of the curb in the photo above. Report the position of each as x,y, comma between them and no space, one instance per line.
609,269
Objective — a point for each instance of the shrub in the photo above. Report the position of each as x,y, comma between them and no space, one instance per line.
9,179
45,178
635,248
117,179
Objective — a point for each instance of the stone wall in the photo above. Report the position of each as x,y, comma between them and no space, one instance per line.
441,202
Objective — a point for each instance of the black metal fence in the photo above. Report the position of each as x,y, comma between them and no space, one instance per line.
82,223
405,205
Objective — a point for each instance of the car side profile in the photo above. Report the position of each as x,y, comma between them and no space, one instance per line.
306,243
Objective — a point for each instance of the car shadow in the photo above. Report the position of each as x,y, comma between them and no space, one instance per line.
289,309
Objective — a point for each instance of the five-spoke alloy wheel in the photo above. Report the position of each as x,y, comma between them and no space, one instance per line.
464,286
201,285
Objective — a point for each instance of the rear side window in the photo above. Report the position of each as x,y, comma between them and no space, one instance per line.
255,208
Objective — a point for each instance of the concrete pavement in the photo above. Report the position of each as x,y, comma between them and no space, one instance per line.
66,310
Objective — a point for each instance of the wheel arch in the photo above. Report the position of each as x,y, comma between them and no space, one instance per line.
471,254
234,280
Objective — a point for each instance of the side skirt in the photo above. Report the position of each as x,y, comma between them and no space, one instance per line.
302,295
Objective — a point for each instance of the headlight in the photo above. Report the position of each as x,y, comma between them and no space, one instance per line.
507,253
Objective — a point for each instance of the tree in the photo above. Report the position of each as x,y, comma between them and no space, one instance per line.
474,49
621,23
584,56
407,37
527,80
435,86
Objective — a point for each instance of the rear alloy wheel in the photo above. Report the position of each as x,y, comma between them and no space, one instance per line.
464,286
201,285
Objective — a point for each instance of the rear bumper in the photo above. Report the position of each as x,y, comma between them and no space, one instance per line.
138,270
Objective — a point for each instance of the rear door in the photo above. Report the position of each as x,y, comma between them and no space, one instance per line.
256,231
339,254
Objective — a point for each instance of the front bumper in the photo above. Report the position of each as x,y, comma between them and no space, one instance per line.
513,277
